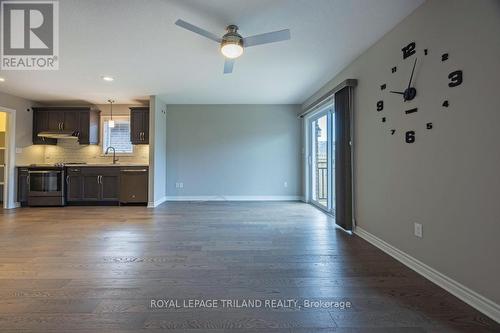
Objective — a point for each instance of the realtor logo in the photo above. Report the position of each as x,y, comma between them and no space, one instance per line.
30,35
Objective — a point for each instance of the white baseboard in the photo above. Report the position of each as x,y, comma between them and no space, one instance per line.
235,198
477,301
156,203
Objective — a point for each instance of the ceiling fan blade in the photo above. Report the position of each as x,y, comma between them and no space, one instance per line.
269,37
228,66
197,30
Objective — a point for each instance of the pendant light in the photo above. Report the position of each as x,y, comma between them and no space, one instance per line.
111,122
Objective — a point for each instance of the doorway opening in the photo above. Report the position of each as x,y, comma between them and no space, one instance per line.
321,138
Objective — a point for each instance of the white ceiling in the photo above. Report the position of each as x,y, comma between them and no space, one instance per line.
137,43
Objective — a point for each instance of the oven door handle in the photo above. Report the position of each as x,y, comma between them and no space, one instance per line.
44,171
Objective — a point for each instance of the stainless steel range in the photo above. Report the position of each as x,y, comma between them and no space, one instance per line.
46,185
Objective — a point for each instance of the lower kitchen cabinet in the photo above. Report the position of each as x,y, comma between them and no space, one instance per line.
101,184
22,186
111,184
74,185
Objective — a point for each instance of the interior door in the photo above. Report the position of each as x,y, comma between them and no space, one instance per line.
321,160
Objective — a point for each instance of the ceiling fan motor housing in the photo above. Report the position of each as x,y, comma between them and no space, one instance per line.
232,36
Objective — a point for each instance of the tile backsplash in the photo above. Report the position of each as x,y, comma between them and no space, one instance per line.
71,151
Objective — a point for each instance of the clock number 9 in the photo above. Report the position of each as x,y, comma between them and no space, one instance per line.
410,137
380,105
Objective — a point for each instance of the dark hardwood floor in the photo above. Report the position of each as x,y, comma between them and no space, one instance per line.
96,269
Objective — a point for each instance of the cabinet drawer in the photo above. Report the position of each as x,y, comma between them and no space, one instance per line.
73,170
101,171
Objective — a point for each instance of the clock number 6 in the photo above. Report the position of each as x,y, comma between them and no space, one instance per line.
380,105
410,137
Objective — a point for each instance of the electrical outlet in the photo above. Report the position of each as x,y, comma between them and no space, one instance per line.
176,185
181,185
418,230
285,184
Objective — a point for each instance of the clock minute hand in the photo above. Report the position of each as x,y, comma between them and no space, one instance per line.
397,92
412,71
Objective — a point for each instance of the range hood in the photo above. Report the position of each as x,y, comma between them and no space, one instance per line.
59,135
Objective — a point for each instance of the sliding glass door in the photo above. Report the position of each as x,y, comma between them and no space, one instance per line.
321,159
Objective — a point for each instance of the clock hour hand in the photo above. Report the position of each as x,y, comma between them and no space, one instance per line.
397,92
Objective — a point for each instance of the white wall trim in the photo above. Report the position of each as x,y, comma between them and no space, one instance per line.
10,182
153,204
477,301
236,198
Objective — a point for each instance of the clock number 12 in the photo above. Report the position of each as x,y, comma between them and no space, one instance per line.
408,50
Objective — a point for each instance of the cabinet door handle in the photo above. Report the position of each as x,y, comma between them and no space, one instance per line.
67,180
28,179
62,125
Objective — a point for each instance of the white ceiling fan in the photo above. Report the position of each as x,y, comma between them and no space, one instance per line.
232,44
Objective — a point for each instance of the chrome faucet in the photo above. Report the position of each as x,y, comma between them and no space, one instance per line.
114,153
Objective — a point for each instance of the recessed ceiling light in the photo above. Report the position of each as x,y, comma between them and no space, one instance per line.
107,78
2,79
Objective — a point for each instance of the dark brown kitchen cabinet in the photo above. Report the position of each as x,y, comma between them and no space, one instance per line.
41,124
100,183
139,125
82,122
22,186
74,186
89,127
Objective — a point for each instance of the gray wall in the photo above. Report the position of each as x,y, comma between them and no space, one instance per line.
157,149
449,179
233,151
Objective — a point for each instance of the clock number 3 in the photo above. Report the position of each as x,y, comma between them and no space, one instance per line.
408,50
456,78
410,137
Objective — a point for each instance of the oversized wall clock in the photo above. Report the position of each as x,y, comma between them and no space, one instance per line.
408,93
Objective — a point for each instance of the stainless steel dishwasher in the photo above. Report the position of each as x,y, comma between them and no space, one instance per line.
134,185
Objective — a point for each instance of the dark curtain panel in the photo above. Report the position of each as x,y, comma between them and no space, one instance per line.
343,177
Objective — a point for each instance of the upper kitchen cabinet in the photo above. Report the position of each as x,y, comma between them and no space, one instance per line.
51,123
139,125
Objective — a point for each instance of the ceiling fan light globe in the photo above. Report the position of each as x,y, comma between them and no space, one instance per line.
231,50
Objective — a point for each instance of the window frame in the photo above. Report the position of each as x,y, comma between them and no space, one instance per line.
101,143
